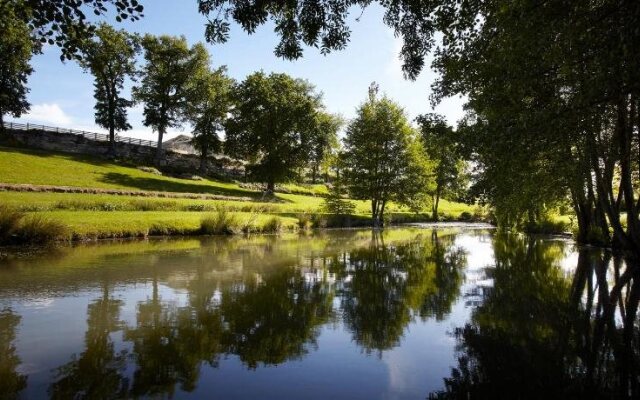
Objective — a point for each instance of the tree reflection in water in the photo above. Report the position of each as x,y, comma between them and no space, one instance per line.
384,287
542,334
96,373
11,382
266,313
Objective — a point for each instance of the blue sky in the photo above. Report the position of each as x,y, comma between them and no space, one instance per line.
62,95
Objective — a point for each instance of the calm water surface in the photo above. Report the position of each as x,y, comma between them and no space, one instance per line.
411,313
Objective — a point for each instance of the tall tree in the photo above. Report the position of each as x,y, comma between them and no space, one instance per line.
16,47
385,158
324,142
208,108
443,148
166,78
273,121
110,57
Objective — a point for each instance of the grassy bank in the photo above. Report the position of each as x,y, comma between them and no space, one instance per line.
135,211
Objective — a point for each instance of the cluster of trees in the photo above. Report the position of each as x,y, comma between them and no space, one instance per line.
553,89
553,93
276,123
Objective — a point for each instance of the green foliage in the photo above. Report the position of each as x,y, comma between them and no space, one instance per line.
322,24
168,80
220,222
305,221
547,226
9,221
65,23
38,229
324,143
335,203
272,125
443,148
110,57
16,48
384,159
273,225
207,109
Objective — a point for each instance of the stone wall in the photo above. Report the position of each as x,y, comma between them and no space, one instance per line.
188,164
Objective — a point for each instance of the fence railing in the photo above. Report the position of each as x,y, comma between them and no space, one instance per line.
99,137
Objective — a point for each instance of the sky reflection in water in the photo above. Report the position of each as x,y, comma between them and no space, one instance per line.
409,313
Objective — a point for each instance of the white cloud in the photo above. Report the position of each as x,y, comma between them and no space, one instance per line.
48,114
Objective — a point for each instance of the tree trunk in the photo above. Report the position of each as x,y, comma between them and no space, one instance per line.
436,202
112,140
314,169
271,187
159,147
374,212
203,160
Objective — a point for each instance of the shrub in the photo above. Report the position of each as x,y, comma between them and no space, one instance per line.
320,220
335,204
9,221
221,222
546,226
304,221
273,225
36,229
465,216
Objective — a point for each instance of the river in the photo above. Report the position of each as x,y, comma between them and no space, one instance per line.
442,312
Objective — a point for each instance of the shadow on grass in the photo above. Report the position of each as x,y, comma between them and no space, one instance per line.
86,159
160,185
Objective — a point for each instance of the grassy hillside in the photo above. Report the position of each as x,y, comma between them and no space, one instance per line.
93,215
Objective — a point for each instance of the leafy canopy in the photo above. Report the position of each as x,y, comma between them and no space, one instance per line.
272,125
16,48
209,105
65,23
110,57
323,24
385,158
168,79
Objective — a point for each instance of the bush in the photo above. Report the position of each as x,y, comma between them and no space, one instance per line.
465,216
9,221
305,221
547,227
273,225
221,222
335,204
36,229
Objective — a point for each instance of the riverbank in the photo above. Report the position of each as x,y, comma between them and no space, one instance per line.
50,196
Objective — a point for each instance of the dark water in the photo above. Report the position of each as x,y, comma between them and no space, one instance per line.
453,313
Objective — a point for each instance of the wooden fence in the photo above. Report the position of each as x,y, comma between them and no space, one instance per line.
100,137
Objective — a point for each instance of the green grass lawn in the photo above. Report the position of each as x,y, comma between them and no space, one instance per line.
107,215
38,167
